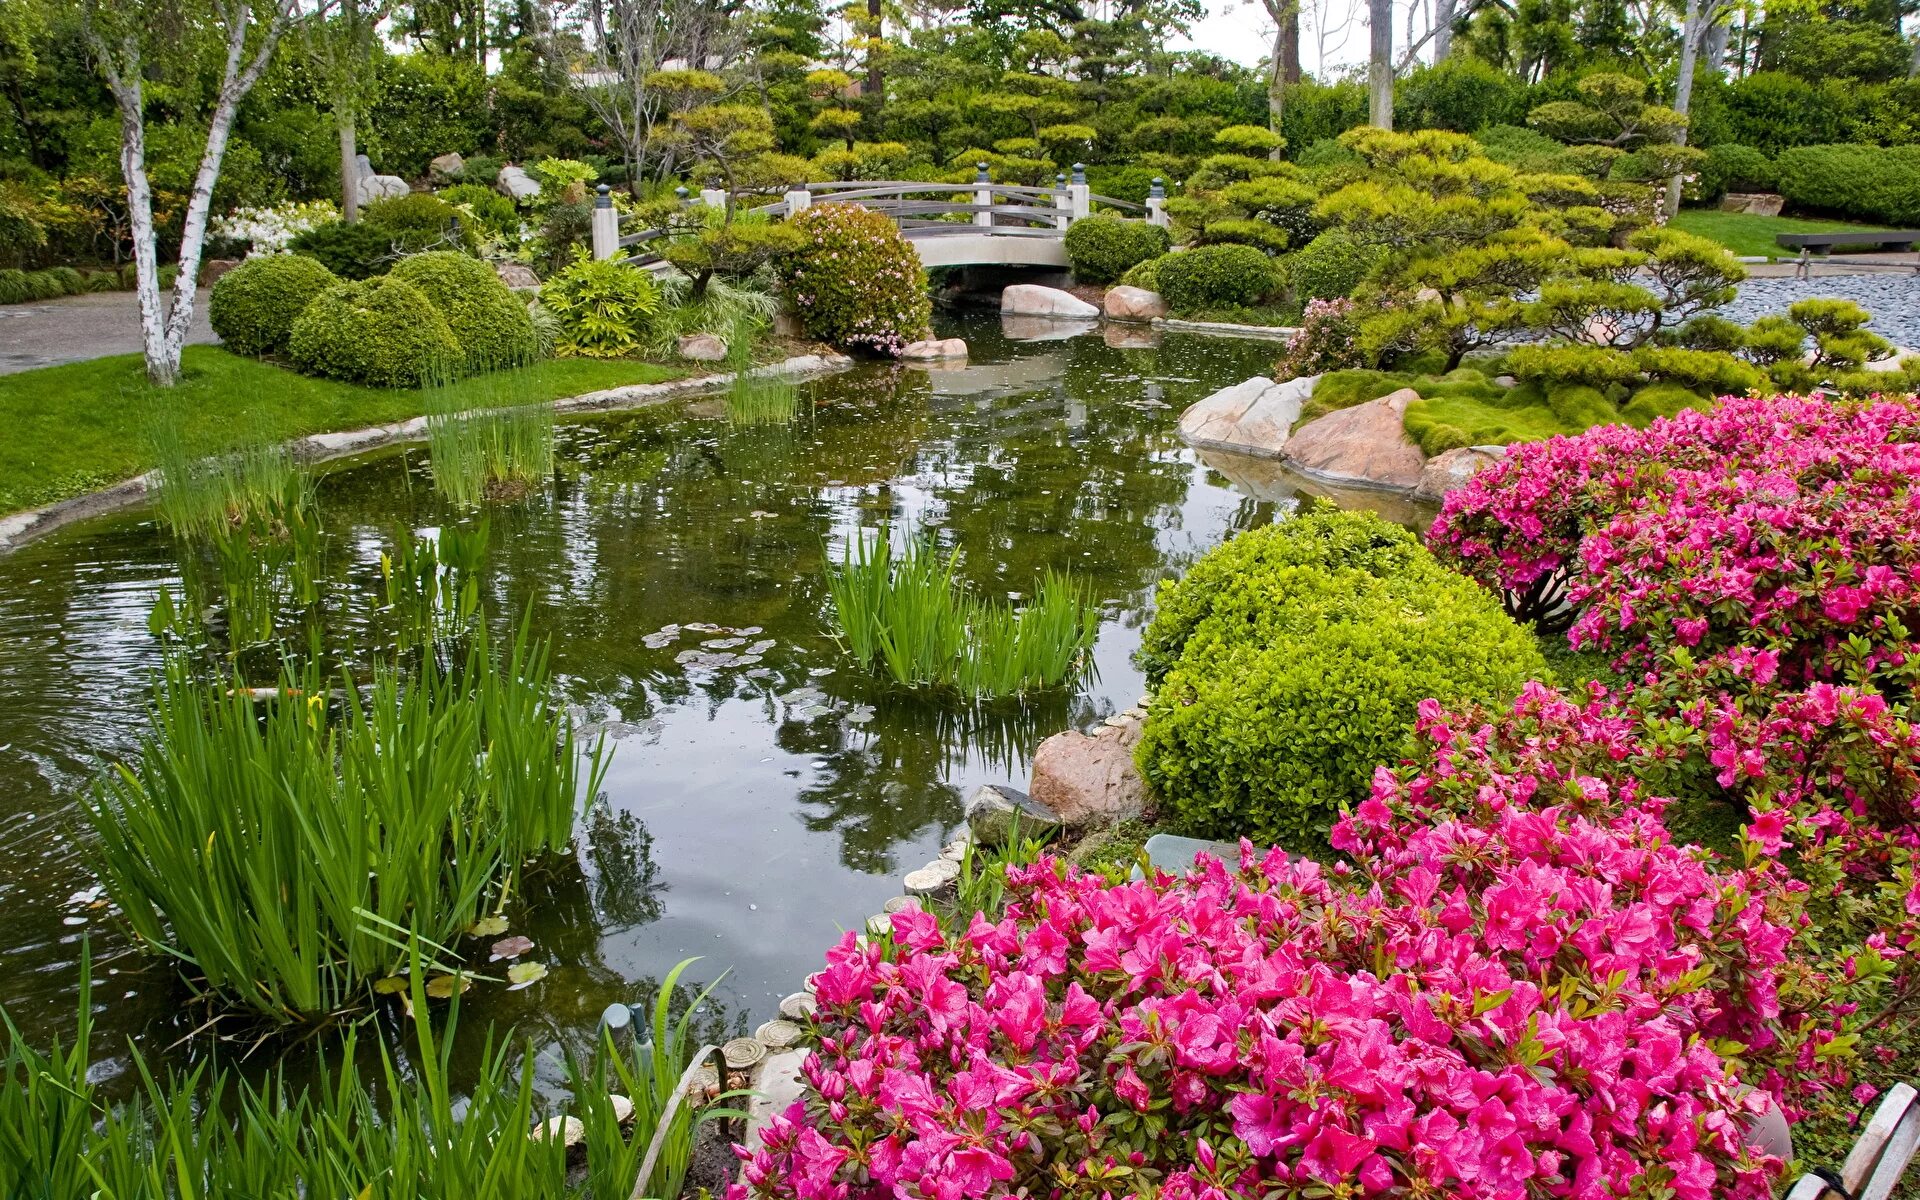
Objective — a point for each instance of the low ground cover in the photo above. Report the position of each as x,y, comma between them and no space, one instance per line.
74,428
1751,235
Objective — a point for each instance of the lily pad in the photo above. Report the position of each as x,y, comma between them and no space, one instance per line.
492,926
724,643
442,987
512,947
525,974
391,985
860,714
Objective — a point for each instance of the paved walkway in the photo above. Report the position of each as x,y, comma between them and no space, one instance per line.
75,328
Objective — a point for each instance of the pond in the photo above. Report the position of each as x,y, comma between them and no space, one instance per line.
754,808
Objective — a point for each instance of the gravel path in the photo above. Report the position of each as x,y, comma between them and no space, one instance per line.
1893,297
72,328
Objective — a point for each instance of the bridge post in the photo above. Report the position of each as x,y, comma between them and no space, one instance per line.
1157,203
982,194
1062,200
1080,193
798,200
713,197
606,224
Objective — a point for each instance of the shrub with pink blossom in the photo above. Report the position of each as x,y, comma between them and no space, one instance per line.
1509,1002
855,282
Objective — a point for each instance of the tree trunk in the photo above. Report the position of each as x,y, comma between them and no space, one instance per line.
876,83
1713,51
1284,70
1913,64
349,166
162,368
1690,37
1380,64
1442,29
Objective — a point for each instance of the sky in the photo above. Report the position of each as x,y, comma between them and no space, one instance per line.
1239,30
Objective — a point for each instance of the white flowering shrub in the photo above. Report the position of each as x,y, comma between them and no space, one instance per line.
267,229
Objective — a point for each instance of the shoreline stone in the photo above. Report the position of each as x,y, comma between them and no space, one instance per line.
1253,417
1366,445
1034,300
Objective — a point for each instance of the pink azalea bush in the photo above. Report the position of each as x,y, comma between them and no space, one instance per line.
1506,1001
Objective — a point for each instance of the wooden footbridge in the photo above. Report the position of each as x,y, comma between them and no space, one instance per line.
982,223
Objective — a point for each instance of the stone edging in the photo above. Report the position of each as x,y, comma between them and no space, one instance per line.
1278,333
19,528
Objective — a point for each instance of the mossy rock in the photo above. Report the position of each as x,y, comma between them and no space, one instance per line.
1664,399
1344,389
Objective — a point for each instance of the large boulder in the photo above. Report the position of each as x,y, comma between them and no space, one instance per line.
1032,300
515,182
702,347
1452,468
1090,780
1366,444
934,349
1134,304
516,275
212,269
1759,204
993,812
1251,417
380,187
447,166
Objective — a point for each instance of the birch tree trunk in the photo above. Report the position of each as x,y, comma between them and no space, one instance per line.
349,167
1442,29
1285,66
1380,64
1690,32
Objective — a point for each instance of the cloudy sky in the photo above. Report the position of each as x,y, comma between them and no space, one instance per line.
1240,30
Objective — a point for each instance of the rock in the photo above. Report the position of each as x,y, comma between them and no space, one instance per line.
570,1130
516,275
1132,304
515,182
786,324
934,349
1451,469
1032,300
448,166
702,347
1251,417
212,269
1881,366
1505,381
777,1086
778,1035
381,187
622,1107
993,810
1088,781
1760,204
932,878
1366,444
1016,328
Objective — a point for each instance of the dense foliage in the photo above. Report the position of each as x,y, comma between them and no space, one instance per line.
485,317
1102,248
1865,182
1220,276
380,331
602,308
856,283
253,306
1289,662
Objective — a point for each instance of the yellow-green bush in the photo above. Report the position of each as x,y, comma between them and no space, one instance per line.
381,331
1223,276
253,306
1103,248
1290,662
486,318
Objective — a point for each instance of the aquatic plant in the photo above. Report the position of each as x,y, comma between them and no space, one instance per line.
901,612
754,399
271,839
199,495
491,453
46,1118
432,581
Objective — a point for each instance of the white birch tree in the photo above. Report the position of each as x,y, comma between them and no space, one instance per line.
130,38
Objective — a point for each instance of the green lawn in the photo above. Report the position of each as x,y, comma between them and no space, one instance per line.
73,428
1747,234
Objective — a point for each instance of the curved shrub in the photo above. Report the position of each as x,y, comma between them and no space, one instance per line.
1223,276
356,251
602,308
1290,663
1330,266
1102,248
381,331
253,306
486,318
1427,1022
856,283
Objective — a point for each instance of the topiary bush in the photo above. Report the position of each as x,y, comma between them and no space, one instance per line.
420,221
602,308
1290,662
856,283
1737,168
1144,274
486,318
382,331
356,251
1867,182
1224,276
1103,248
1331,266
253,306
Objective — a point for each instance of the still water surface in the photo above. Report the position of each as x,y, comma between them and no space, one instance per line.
753,810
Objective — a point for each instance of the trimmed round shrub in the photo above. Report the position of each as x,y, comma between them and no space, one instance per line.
1292,660
1330,266
356,251
1102,248
382,331
1226,276
493,211
856,283
253,306
489,322
1737,168
1144,274
420,221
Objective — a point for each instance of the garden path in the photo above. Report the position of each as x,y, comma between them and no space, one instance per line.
74,328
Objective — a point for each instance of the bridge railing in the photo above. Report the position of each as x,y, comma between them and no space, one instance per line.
920,209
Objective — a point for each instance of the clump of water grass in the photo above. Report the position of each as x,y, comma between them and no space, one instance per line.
902,613
761,400
432,582
490,453
271,839
200,496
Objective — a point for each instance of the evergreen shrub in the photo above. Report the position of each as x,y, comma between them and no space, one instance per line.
253,306
383,332
1330,266
1102,248
356,251
486,318
1223,276
603,309
856,283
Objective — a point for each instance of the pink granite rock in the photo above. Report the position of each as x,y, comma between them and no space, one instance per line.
1366,444
1090,780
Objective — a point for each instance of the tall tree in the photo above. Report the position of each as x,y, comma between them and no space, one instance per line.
630,42
344,49
133,40
1701,15
1380,63
1284,68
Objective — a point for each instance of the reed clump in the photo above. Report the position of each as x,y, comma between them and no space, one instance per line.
902,613
490,453
202,496
273,839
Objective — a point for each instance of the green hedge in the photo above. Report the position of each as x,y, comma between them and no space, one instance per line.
487,319
1102,248
1290,662
1867,183
356,251
253,306
1330,266
382,331
1225,276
